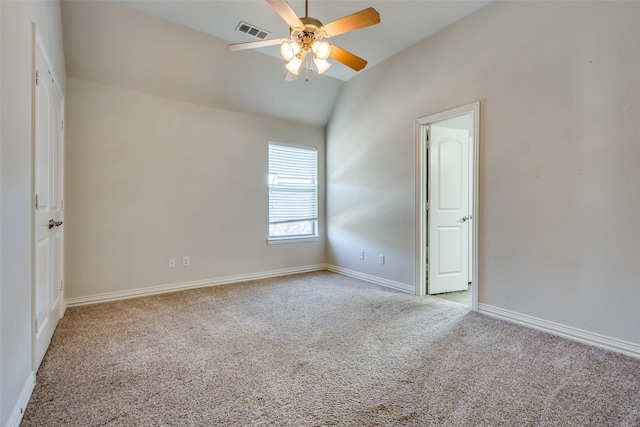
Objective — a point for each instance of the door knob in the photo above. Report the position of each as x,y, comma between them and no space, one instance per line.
53,223
463,219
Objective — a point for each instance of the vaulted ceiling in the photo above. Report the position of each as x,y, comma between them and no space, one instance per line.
178,49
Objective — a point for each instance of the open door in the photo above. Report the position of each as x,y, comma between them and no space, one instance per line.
48,214
448,213
447,166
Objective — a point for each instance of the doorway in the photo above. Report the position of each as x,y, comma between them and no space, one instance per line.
447,148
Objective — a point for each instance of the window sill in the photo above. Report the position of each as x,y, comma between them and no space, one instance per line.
286,240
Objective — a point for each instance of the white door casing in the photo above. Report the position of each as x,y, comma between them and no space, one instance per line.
421,188
448,215
470,222
48,206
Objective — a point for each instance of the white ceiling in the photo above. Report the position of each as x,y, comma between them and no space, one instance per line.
179,49
403,23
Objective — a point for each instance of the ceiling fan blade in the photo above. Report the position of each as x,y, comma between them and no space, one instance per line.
286,12
290,76
364,18
347,58
256,44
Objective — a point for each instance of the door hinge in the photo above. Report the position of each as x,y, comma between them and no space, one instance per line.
426,206
61,125
37,78
36,326
428,139
61,204
36,201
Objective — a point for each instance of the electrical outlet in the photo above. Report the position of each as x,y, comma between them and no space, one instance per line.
381,259
185,261
362,255
172,263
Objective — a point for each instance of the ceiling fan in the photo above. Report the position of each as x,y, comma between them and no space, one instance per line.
307,34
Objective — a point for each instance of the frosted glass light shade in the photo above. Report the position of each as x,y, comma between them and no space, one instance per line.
321,64
294,65
289,50
321,49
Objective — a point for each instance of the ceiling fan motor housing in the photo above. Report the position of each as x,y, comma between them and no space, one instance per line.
308,34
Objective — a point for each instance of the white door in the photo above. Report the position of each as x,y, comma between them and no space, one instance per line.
48,164
448,215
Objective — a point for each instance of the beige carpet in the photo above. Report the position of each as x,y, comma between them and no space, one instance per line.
320,349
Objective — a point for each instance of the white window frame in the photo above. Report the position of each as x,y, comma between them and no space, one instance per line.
292,238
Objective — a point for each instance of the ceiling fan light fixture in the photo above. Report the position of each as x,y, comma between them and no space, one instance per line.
294,65
322,65
322,50
306,35
289,50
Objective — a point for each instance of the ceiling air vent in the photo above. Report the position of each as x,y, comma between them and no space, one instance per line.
252,30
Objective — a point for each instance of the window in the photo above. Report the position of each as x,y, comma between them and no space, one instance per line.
293,191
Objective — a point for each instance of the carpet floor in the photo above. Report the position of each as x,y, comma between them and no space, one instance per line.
319,349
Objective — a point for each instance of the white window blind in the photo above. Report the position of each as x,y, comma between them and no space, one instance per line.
293,190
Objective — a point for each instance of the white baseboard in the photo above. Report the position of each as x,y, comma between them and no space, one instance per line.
21,404
585,337
173,287
373,279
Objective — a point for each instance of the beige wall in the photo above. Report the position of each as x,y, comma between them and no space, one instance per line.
150,178
559,161
17,17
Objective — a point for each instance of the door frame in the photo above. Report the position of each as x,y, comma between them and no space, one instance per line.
421,195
